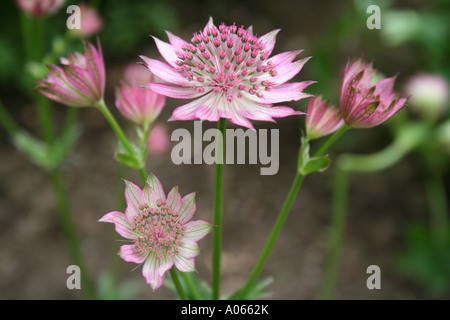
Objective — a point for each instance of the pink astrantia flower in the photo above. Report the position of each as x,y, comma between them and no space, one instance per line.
39,8
364,105
322,119
159,229
80,79
229,71
138,104
90,22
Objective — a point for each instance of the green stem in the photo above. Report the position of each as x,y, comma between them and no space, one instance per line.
7,121
218,210
282,216
335,234
177,283
331,140
273,236
70,232
438,204
187,277
118,130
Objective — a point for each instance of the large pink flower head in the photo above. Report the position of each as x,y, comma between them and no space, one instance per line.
159,228
228,70
138,104
79,81
364,105
40,8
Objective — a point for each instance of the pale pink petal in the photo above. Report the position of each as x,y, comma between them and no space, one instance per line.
188,207
153,182
132,195
187,111
122,225
189,249
130,253
172,91
154,269
174,199
269,40
197,230
164,71
184,264
166,51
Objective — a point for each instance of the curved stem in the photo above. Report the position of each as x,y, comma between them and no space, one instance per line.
273,236
177,283
331,140
218,209
190,285
282,217
118,130
335,234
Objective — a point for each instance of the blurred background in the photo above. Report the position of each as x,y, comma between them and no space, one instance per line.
388,221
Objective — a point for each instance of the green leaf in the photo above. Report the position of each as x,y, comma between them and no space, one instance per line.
316,165
129,160
36,150
255,292
303,155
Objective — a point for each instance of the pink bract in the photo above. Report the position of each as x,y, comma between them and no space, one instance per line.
228,71
322,119
79,81
364,105
159,228
40,8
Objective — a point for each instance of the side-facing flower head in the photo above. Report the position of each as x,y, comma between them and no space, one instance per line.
229,72
135,103
159,229
39,8
79,81
322,119
364,105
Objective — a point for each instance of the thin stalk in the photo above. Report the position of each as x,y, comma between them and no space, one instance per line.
218,210
190,285
438,204
7,121
331,140
273,235
69,231
282,216
177,283
335,234
118,130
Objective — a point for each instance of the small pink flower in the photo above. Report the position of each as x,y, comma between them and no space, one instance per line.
158,140
228,70
364,105
159,229
80,79
39,8
91,23
322,119
138,104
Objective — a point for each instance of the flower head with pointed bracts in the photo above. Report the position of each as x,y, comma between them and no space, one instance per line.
229,72
40,8
364,105
138,104
159,228
322,119
79,81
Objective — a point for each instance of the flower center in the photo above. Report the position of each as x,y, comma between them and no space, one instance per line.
226,60
159,229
